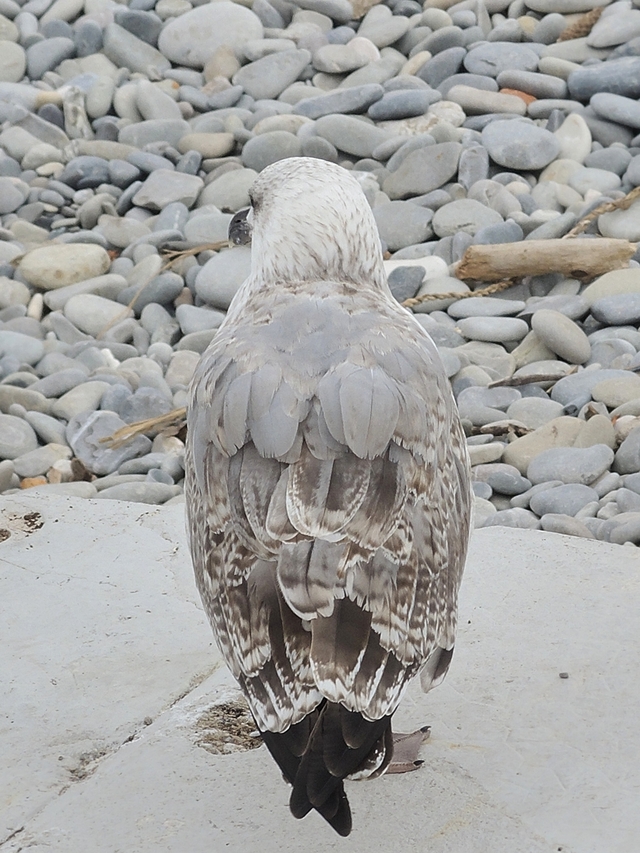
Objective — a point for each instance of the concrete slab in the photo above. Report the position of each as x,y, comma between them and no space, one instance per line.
520,760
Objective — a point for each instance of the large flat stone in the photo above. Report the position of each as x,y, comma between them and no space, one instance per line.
103,629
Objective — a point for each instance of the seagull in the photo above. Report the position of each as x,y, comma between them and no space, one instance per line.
327,487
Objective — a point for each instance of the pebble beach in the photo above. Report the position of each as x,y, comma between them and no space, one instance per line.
130,134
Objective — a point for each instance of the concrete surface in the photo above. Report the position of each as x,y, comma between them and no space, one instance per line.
107,662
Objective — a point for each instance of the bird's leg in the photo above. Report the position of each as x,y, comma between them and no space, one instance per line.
405,750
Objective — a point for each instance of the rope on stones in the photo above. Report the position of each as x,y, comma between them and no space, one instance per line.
582,26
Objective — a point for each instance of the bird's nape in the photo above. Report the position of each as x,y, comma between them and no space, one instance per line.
329,745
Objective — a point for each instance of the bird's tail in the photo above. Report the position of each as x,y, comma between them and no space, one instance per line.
318,753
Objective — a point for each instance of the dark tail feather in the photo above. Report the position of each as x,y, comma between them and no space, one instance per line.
319,752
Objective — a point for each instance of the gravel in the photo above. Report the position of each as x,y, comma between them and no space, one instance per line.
129,131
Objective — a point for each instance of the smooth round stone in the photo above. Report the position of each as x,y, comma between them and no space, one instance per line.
564,524
504,479
37,462
219,279
229,192
617,392
13,62
13,193
17,437
492,58
615,159
401,223
194,319
342,58
611,284
164,187
57,384
355,99
23,347
52,266
561,335
87,37
445,64
209,145
267,148
82,398
93,314
520,145
585,179
143,404
621,224
482,510
614,29
401,104
485,306
85,171
423,170
534,412
538,85
465,215
522,519
604,352
579,385
493,329
478,102
45,55
618,76
269,77
559,432
181,368
351,135
632,173
627,459
571,464
574,137
618,310
501,232
482,454
207,228
617,108
381,27
566,500
13,293
191,39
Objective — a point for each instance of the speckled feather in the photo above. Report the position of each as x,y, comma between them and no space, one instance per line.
327,486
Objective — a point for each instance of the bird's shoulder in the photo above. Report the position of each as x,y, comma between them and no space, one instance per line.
356,358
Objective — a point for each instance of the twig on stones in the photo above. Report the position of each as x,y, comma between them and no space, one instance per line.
173,419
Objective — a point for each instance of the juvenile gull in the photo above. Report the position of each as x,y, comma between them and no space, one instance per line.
327,487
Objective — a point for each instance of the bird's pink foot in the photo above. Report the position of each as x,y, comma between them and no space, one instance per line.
405,750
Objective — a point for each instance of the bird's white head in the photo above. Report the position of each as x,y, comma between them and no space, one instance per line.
310,220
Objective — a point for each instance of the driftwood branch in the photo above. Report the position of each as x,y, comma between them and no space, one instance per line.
581,259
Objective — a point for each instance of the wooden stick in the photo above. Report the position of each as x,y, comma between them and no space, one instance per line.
581,259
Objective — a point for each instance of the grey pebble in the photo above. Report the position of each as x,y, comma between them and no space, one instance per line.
618,310
269,77
520,145
571,464
566,500
267,148
517,517
402,223
17,437
492,59
356,99
627,459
